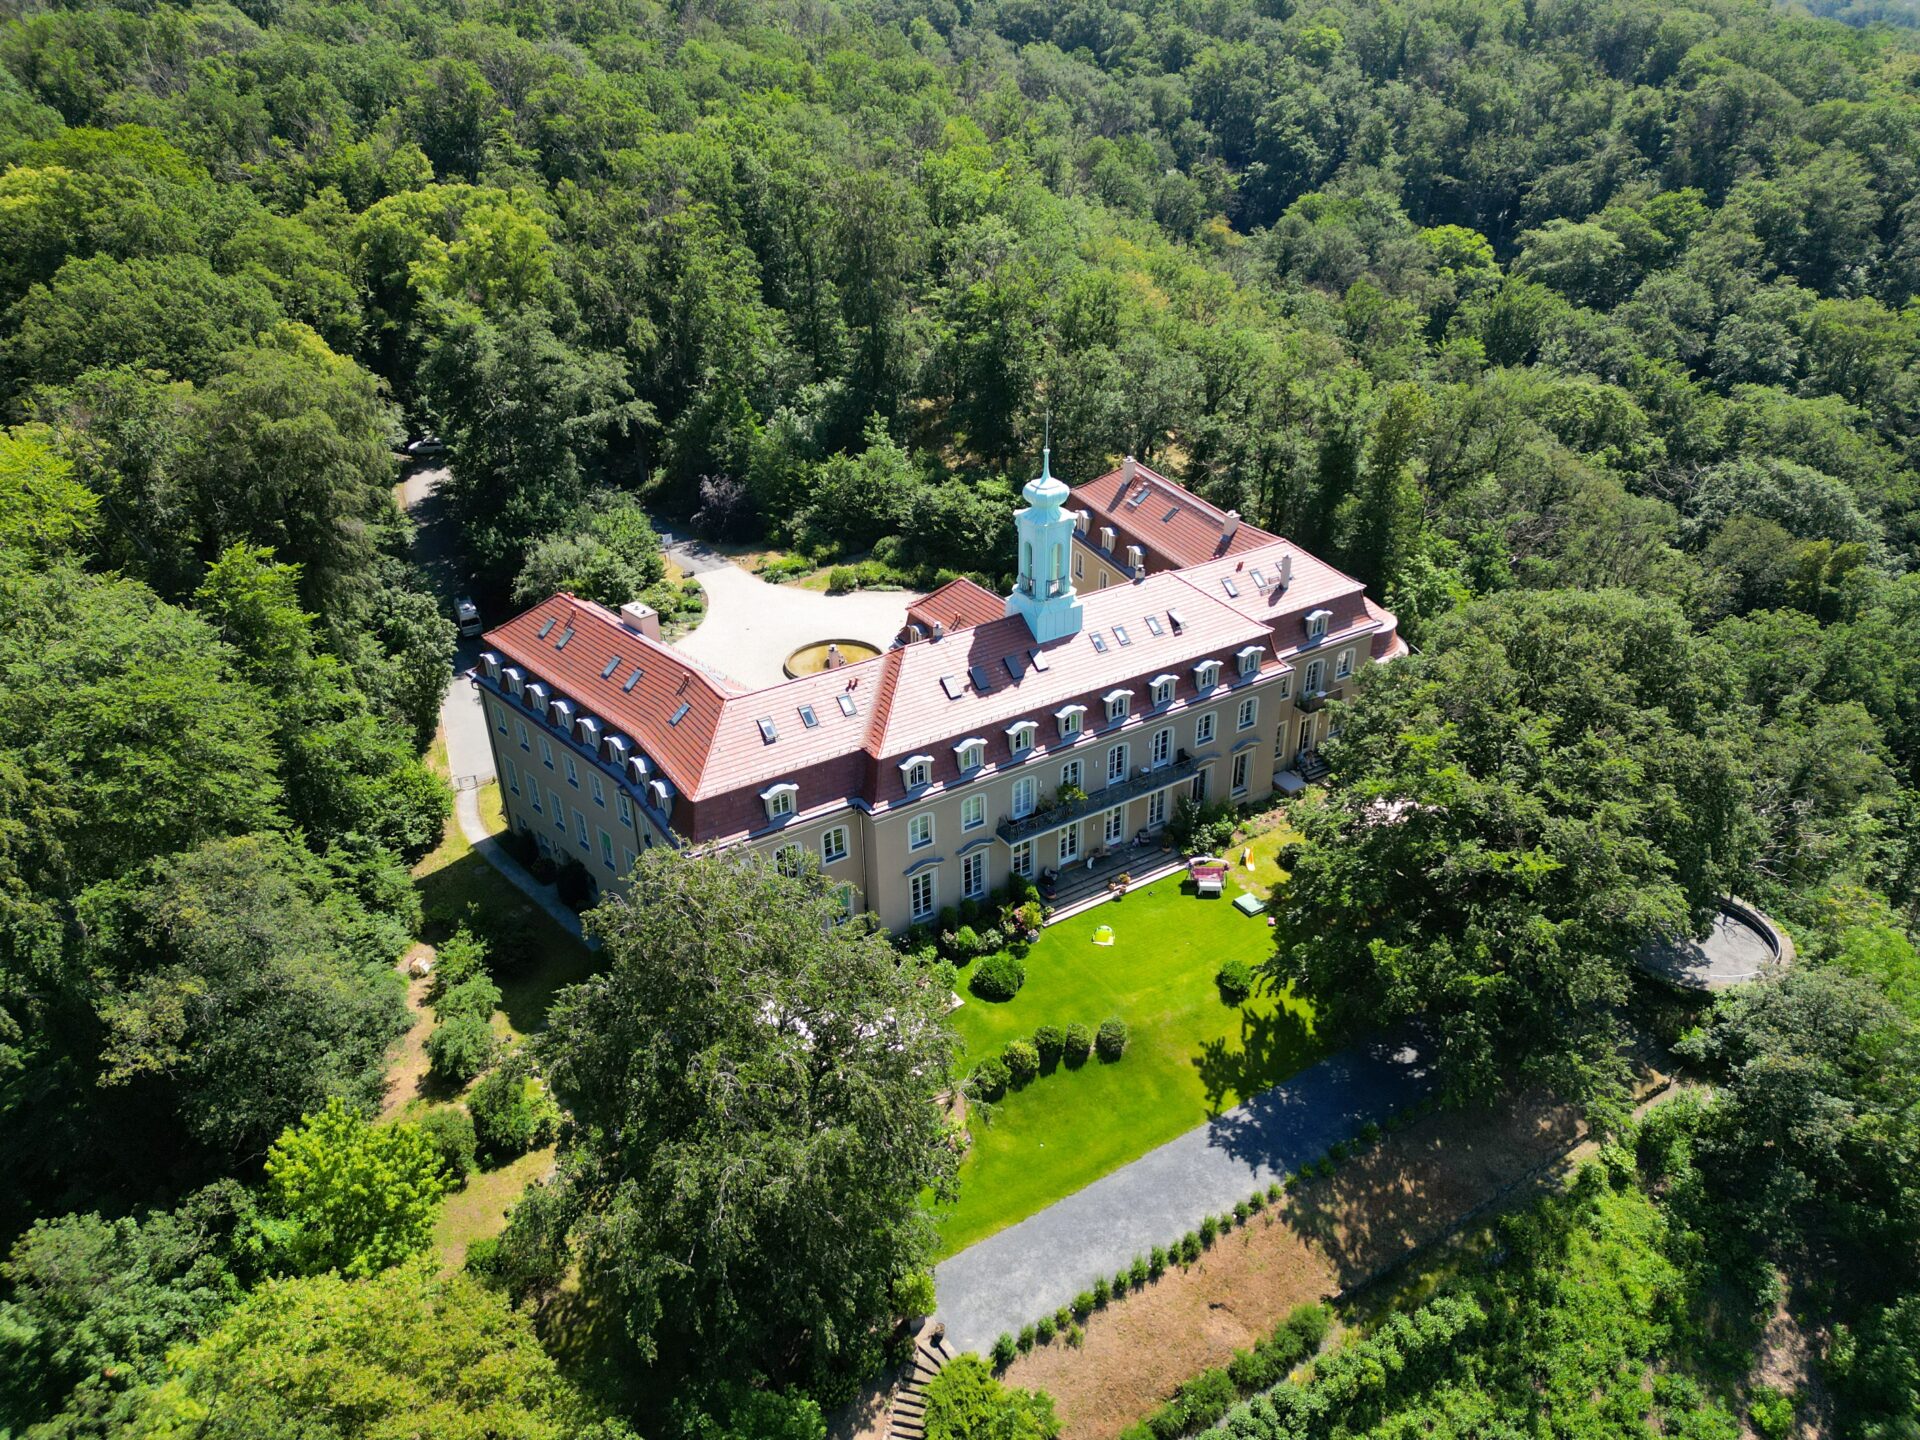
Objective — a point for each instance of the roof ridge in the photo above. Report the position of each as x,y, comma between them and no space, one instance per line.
882,708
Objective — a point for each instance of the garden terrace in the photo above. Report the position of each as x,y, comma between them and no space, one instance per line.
1190,1056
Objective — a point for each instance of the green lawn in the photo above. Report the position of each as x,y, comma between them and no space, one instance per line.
1189,1058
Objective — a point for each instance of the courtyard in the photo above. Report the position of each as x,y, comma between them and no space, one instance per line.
1190,1056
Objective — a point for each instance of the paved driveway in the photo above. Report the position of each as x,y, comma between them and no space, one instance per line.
1033,1268
751,627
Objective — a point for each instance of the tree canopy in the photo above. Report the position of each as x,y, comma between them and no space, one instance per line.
752,1088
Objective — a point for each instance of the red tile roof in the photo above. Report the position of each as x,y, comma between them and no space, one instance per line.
932,698
957,605
1315,585
720,747
1174,526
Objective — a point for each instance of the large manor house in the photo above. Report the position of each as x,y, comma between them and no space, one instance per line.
1154,647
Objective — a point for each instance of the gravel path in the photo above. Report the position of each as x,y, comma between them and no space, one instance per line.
1033,1268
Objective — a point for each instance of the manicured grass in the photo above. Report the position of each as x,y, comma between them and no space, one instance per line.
1190,1056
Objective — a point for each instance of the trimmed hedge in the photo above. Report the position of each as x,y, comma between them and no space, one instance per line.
1204,1399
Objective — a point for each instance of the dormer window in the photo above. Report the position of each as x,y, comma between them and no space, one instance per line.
536,698
562,716
1206,674
1070,719
490,665
1022,735
1163,687
1317,624
972,752
780,800
588,730
1249,657
1117,702
916,771
516,679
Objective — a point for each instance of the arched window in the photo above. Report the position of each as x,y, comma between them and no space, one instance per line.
1057,571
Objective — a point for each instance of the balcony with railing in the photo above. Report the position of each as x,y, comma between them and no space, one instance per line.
1117,792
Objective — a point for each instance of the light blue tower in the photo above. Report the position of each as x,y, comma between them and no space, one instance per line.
1044,592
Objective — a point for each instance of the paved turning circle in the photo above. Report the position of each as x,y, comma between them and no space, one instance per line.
1033,1268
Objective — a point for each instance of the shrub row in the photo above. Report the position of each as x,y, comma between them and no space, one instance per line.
464,999
1022,1061
1144,1269
1409,1352
1202,1400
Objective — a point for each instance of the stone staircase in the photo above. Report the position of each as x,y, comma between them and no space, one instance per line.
1312,768
908,1415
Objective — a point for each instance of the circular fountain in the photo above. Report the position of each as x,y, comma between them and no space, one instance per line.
827,655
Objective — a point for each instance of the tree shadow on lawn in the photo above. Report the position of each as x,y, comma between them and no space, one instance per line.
545,959
1273,1044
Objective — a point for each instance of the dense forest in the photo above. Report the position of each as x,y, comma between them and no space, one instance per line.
1489,301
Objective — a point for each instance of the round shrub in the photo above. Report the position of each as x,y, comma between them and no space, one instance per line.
460,1048
1063,1317
1122,1282
1076,1337
1078,1043
1043,1329
475,995
1028,1334
1083,1305
1338,1152
966,941
998,977
1156,1263
1004,1349
1048,1042
512,1111
1111,1042
1022,1061
1190,1247
1240,1212
1102,1292
1209,1230
1369,1133
1235,979
457,959
1276,1190
841,579
1139,1272
989,1078
913,1295
450,1131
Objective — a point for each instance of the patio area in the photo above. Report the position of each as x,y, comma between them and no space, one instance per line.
1090,881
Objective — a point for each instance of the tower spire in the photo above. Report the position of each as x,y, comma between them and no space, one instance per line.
1044,593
